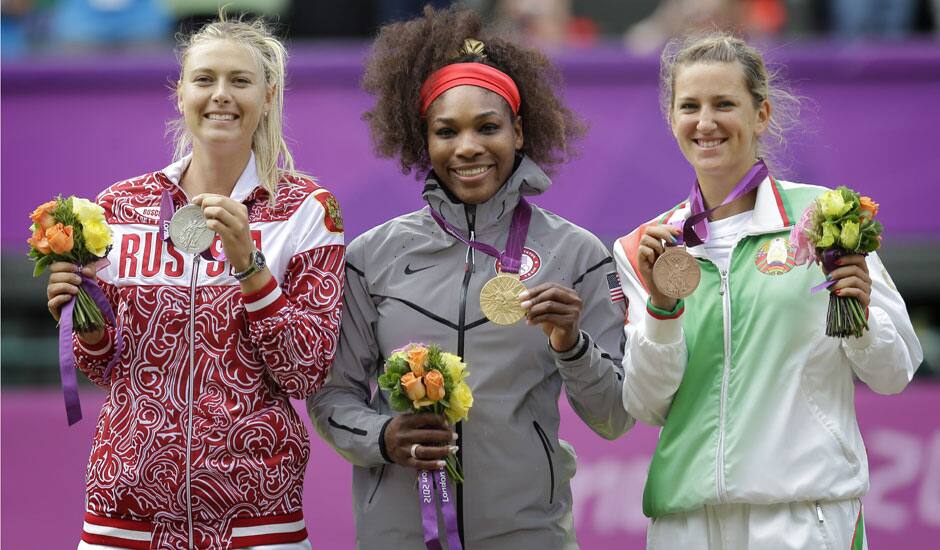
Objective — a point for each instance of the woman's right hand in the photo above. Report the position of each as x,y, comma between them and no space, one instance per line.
651,248
434,439
64,280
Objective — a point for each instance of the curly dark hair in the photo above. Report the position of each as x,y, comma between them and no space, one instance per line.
406,53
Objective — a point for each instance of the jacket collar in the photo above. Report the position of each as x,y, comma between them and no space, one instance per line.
247,182
527,180
770,210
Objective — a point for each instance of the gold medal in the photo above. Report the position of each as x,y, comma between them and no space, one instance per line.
499,299
676,273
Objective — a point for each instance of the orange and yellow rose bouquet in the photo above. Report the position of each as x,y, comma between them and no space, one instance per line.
422,378
71,230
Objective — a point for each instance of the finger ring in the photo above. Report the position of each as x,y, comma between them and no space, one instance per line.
414,447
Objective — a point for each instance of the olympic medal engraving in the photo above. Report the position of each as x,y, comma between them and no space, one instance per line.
499,299
188,230
676,273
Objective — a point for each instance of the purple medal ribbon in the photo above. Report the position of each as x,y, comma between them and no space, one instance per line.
695,228
73,406
510,260
433,487
166,214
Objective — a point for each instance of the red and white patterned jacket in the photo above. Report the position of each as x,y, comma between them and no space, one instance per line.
197,445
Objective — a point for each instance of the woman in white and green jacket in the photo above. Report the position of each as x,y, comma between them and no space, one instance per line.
759,447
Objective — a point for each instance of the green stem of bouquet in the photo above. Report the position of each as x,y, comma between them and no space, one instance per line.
451,462
846,317
86,316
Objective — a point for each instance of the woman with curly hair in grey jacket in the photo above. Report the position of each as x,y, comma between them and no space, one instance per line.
479,118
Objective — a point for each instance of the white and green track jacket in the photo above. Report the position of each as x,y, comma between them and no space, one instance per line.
756,403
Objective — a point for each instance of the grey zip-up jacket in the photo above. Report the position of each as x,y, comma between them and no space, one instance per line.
409,281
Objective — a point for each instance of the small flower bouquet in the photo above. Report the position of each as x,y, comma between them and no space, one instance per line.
839,222
71,230
422,378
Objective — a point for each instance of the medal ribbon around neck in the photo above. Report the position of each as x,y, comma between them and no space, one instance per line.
166,214
695,229
511,258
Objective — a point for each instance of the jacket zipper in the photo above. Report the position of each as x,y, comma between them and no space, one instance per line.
377,483
725,293
471,212
543,437
189,397
725,375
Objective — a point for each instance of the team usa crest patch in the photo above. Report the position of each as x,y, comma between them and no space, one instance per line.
775,257
531,263
333,217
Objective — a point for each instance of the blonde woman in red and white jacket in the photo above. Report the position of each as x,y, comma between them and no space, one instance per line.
197,445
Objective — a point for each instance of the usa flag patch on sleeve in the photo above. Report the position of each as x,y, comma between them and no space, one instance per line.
613,285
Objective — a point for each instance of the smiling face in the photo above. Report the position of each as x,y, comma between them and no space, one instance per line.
222,94
472,142
715,121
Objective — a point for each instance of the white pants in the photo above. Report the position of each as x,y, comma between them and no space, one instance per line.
793,526
305,545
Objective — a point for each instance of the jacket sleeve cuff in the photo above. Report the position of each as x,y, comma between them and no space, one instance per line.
576,352
382,448
98,349
662,326
265,301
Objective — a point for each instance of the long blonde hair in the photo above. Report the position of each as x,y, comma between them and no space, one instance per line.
272,155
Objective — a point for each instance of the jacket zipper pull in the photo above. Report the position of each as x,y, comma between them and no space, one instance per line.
470,211
468,266
724,283
819,514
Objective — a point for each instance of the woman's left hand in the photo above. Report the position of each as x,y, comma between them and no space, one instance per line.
557,309
229,219
852,278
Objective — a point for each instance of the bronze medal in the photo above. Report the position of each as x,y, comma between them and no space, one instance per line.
676,273
499,299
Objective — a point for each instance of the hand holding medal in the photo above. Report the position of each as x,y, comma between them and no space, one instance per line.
194,226
228,219
557,310
665,267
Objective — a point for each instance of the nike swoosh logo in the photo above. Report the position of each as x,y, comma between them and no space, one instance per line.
409,271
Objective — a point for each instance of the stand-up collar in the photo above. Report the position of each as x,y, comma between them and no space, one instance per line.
527,180
770,212
247,182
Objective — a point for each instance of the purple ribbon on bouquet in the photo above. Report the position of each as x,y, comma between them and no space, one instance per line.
695,228
73,406
433,487
166,214
828,259
510,260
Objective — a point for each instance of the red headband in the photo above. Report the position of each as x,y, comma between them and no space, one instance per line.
469,74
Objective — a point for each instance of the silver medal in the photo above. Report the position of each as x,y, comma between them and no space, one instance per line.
188,230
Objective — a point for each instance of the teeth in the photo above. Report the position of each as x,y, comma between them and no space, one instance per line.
218,116
709,143
470,172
